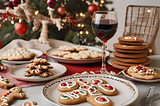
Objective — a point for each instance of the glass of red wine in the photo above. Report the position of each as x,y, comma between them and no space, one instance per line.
104,25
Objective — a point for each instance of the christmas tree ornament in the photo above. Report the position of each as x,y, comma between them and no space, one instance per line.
92,8
51,3
8,17
15,3
20,28
61,11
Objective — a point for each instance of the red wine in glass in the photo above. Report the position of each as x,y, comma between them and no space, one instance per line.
104,25
105,30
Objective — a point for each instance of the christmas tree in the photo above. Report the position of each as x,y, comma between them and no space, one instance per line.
76,20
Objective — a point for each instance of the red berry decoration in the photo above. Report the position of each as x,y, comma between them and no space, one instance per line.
51,3
80,79
105,85
61,11
84,86
69,82
76,92
92,8
15,3
20,28
85,82
109,87
63,84
102,99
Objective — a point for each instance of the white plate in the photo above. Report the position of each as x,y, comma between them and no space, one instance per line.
18,72
128,92
79,61
37,54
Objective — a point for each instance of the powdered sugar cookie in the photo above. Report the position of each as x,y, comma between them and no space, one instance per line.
17,54
66,48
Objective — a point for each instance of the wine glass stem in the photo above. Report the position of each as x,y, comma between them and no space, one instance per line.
103,68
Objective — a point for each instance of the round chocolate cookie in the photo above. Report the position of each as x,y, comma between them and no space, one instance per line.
132,64
128,47
130,55
131,60
130,43
128,51
130,39
118,66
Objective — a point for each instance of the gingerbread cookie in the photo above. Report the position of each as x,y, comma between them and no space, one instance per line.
38,66
29,103
67,86
143,72
17,54
92,92
37,60
8,96
5,84
101,100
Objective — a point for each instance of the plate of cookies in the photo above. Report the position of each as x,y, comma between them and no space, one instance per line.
90,90
76,54
19,55
142,73
37,70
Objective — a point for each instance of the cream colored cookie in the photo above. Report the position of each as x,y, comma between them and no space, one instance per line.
60,53
66,48
17,54
79,48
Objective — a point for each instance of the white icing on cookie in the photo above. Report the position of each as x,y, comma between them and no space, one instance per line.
107,90
73,83
101,102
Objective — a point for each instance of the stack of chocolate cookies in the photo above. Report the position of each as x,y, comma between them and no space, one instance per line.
130,51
